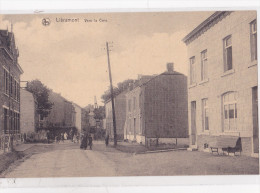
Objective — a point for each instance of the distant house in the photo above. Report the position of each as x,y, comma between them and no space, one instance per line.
62,114
222,83
28,119
10,72
157,108
120,114
77,116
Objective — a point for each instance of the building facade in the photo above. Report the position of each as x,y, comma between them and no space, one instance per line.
28,112
77,117
222,83
157,108
62,113
120,113
10,72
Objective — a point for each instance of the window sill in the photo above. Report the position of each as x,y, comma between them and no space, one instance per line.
192,85
203,81
228,72
253,63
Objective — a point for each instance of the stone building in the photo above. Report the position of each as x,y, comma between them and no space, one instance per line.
29,115
10,72
120,113
157,108
77,116
222,83
62,113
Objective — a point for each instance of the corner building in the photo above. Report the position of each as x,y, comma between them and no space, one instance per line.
10,72
222,83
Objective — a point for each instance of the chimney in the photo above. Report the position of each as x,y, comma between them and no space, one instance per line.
170,67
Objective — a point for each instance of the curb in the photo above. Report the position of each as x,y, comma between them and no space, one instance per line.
160,151
25,148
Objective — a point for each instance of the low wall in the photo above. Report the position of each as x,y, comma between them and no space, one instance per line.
211,140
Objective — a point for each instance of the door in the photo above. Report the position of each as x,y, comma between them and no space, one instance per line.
135,128
193,123
255,120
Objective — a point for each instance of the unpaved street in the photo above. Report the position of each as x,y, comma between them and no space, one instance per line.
67,160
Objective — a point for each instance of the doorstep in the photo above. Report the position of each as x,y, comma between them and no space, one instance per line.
255,155
193,148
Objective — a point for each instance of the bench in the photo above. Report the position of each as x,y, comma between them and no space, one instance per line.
227,144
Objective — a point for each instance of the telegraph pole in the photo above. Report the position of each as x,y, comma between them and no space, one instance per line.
112,96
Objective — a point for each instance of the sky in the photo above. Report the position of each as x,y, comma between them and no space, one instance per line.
71,59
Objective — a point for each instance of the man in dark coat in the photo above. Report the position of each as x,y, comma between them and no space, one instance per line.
84,142
107,140
90,141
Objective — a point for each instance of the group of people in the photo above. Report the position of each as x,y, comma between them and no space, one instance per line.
86,141
64,136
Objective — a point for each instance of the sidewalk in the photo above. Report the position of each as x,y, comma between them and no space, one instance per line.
129,147
24,146
137,148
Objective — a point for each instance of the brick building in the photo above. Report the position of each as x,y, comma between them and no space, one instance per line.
222,83
10,72
157,108
29,115
120,112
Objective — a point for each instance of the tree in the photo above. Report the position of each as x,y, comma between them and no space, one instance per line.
99,113
41,94
107,96
121,87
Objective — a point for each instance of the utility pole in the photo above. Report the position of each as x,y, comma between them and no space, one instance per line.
112,96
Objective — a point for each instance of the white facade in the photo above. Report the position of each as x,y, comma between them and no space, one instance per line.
222,100
77,117
27,120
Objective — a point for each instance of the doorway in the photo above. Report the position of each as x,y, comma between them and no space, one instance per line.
255,120
135,128
193,123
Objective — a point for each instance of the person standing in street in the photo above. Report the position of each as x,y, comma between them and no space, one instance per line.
48,136
65,136
84,142
62,137
107,140
90,141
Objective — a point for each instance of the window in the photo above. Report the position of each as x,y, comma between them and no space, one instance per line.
18,92
204,67
253,38
229,111
6,80
227,54
192,70
129,105
15,90
5,120
11,85
134,103
205,115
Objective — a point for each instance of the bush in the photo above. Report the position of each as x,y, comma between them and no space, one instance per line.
33,137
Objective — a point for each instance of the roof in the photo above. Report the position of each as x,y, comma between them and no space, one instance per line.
205,25
115,96
7,42
155,76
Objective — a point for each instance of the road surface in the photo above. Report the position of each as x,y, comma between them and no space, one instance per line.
67,160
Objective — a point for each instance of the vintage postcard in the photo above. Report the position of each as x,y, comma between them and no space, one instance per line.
168,93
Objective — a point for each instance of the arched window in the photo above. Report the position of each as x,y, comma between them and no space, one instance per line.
230,111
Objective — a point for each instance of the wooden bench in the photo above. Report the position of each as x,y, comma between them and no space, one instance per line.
227,144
